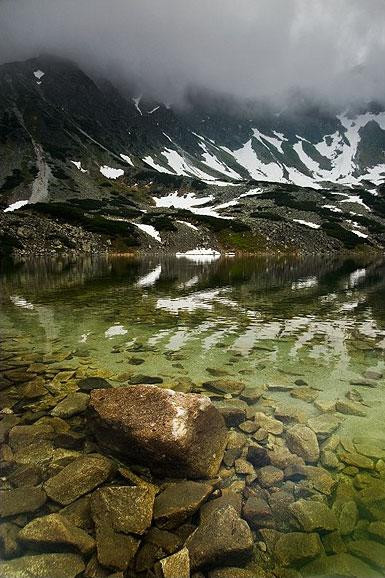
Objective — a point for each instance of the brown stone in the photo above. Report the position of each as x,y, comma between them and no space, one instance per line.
222,539
20,500
128,509
78,478
179,501
181,435
303,441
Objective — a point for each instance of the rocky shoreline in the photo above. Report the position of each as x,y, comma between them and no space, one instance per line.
25,234
104,477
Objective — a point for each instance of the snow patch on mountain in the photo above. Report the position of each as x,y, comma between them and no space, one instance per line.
110,172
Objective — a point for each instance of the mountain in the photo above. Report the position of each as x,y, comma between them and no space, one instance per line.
77,147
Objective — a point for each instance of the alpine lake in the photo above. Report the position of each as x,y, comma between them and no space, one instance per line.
276,343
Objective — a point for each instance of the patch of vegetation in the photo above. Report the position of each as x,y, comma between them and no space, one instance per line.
349,239
267,215
12,181
58,173
160,222
213,223
88,204
93,223
7,243
246,242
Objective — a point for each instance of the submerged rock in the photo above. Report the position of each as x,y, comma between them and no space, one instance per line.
348,407
87,384
71,405
224,538
43,566
175,434
20,500
78,478
339,565
127,509
297,547
56,530
179,501
303,441
175,566
314,516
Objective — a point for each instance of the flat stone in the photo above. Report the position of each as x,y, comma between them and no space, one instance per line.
127,508
167,541
320,479
305,393
231,572
24,475
73,404
349,407
20,500
228,498
373,374
281,457
268,423
329,459
302,441
357,460
224,386
236,440
144,379
232,410
33,389
6,424
248,426
325,405
280,387
55,530
43,566
314,516
370,450
363,383
114,549
85,474
176,566
255,510
230,457
370,551
243,467
32,444
290,414
87,384
252,394
269,476
324,425
347,513
78,512
178,502
297,548
175,434
222,539
9,546
258,456
339,565
377,529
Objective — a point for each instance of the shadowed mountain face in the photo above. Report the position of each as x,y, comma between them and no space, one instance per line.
65,137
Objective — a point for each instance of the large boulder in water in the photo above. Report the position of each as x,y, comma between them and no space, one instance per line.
175,434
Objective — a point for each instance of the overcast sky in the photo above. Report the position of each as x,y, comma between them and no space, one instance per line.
333,49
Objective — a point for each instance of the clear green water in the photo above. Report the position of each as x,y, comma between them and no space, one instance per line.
265,321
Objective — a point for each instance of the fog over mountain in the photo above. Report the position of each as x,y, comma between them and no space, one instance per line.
330,50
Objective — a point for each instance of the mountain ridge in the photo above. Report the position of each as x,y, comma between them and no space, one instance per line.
68,139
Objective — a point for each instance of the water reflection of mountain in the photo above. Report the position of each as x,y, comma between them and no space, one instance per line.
285,286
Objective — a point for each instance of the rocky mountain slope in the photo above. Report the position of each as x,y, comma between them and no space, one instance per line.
144,174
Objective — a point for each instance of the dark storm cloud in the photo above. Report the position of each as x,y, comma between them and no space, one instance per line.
333,49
